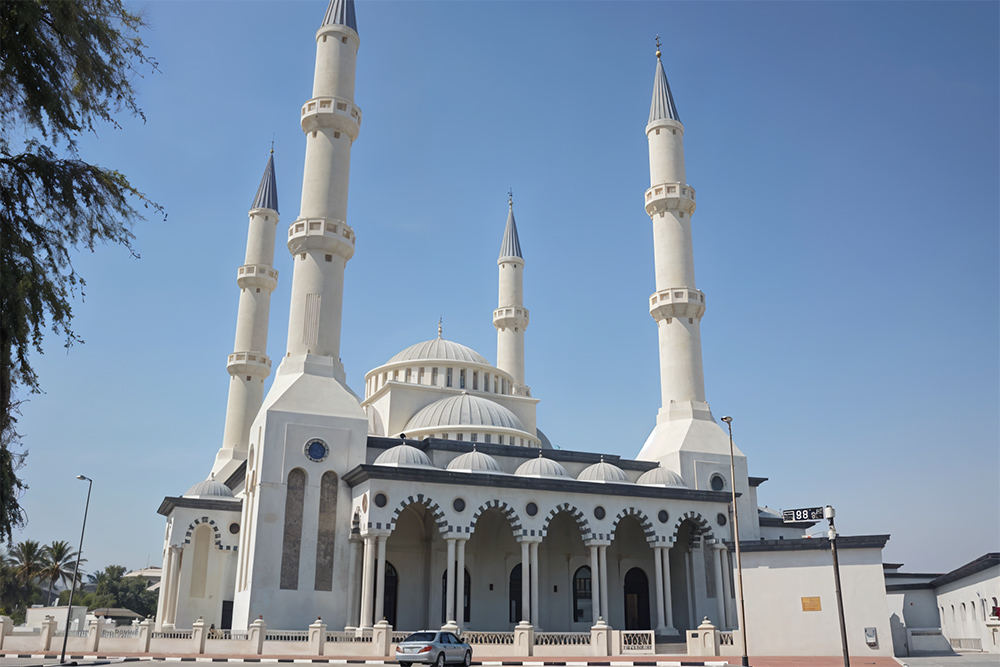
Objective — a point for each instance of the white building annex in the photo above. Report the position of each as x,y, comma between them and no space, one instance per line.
433,497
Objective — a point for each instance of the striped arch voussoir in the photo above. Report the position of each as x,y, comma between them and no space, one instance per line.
512,518
215,530
702,529
432,507
581,521
640,516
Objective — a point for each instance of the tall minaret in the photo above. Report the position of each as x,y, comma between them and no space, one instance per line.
511,317
249,364
686,437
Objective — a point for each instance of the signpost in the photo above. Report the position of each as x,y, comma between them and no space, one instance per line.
815,514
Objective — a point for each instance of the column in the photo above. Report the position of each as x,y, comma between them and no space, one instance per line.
595,584
175,575
602,552
380,575
536,619
658,567
720,588
366,583
668,602
450,591
525,582
352,581
460,597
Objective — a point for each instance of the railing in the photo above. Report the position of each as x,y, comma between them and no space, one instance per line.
634,641
228,634
399,636
562,638
726,639
488,638
287,636
71,633
173,634
966,644
25,632
120,633
349,637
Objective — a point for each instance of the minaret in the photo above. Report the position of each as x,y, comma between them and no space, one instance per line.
686,438
249,364
511,317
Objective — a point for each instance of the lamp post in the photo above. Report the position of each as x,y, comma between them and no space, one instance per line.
736,529
76,569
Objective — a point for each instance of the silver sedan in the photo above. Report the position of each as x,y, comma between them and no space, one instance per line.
433,647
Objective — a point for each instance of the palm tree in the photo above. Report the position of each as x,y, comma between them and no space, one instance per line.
58,564
28,560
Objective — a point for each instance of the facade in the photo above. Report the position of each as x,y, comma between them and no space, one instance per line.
434,498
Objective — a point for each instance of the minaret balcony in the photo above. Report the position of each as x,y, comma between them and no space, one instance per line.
336,113
677,302
259,276
677,197
511,317
326,234
253,364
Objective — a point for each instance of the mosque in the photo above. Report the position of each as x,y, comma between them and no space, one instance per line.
435,498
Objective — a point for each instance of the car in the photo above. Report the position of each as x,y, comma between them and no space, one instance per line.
433,647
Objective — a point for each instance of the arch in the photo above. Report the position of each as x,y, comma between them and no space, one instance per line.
199,563
636,590
429,503
581,521
295,489
640,516
512,518
216,534
702,529
327,531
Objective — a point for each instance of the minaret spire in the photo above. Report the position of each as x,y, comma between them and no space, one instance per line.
511,317
249,364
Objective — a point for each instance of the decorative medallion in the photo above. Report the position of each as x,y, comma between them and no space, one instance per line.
531,509
381,500
316,450
663,516
459,505
721,519
599,512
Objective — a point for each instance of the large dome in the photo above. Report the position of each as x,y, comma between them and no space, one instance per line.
439,349
464,410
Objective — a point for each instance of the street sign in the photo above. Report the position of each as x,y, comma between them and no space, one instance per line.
804,514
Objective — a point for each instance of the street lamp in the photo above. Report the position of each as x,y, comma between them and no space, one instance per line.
736,527
76,569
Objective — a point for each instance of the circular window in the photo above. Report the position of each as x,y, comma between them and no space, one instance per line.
721,519
381,500
717,482
663,516
598,512
531,509
234,528
458,504
316,450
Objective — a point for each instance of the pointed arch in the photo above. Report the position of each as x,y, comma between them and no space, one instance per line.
426,501
215,530
512,517
702,528
644,523
581,521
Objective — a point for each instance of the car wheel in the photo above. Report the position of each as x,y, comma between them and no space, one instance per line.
404,664
468,658
440,660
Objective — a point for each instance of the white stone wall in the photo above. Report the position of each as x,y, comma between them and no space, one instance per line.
965,607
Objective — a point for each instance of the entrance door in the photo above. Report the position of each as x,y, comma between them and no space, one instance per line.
636,600
389,598
227,615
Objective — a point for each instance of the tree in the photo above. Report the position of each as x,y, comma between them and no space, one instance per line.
66,67
19,570
114,589
59,563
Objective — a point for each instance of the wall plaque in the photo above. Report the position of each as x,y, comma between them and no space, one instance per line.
811,604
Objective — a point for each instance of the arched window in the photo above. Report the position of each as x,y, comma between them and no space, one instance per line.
636,600
582,595
326,532
444,596
202,539
292,542
515,594
389,598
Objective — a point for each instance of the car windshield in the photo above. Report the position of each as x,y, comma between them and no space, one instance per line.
420,637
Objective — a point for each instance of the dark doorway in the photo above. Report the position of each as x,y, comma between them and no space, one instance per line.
227,615
515,594
389,597
444,597
636,600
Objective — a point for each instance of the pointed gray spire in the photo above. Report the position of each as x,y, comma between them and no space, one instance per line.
511,246
341,12
267,193
663,100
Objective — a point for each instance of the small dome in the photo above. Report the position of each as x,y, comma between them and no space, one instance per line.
604,472
660,476
404,456
541,467
209,489
440,349
767,511
475,462
464,410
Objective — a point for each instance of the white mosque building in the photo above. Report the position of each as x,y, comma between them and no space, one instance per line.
435,498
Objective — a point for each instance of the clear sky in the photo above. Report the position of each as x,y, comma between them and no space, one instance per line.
846,161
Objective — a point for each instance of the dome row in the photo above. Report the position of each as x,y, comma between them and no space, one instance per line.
407,456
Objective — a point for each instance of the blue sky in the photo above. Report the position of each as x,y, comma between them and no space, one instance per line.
846,161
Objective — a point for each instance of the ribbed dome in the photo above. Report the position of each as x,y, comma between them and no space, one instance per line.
660,477
209,489
604,472
464,410
404,456
475,462
767,511
541,467
440,349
